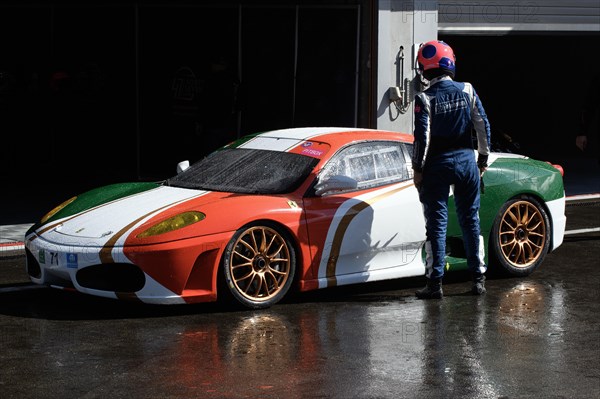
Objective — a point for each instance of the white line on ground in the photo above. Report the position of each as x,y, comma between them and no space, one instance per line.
582,197
581,231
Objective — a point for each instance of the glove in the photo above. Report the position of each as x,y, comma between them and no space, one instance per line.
482,163
418,179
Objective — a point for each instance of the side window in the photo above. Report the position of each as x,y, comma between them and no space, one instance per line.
371,164
408,150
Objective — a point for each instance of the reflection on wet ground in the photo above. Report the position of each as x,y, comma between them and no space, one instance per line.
537,336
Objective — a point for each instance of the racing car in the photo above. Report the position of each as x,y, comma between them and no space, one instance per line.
286,210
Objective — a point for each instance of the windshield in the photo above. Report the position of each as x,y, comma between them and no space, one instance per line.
242,170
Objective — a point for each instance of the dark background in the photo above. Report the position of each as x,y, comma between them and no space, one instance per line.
107,92
533,87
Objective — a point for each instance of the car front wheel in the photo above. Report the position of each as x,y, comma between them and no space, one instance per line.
520,236
258,266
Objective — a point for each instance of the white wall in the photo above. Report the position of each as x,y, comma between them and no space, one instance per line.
401,23
504,16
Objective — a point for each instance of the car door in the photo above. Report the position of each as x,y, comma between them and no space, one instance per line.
373,229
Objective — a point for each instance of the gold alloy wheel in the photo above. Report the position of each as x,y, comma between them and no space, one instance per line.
260,263
522,234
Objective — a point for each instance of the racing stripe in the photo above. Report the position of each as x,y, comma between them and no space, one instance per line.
289,141
106,251
343,227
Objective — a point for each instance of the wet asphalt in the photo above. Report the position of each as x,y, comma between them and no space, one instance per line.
532,337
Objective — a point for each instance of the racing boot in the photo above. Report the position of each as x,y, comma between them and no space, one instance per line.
433,290
478,284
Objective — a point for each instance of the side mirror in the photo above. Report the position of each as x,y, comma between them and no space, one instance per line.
183,165
333,184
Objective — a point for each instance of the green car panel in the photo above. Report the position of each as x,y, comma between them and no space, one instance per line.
96,197
507,178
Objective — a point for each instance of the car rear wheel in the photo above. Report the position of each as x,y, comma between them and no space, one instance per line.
258,266
520,236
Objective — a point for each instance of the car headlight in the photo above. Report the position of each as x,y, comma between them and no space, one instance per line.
57,209
173,223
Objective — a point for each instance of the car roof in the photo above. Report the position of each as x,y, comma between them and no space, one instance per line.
328,133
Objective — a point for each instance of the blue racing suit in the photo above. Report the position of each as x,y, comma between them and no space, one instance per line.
445,115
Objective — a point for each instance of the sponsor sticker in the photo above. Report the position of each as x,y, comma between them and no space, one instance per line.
312,153
42,256
72,261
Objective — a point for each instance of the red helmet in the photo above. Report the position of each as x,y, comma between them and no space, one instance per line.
436,54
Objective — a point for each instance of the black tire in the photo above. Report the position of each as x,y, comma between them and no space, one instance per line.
520,236
258,266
